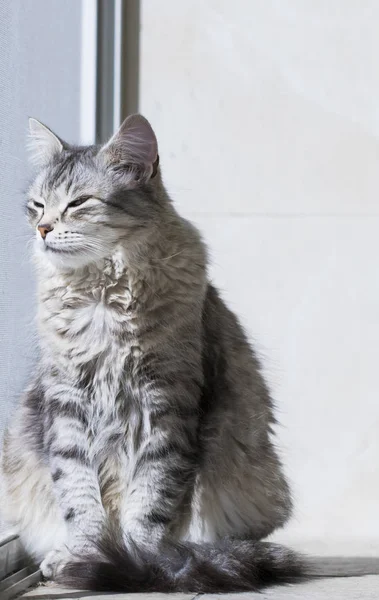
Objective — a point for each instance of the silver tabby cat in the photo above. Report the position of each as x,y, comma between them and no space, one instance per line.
140,457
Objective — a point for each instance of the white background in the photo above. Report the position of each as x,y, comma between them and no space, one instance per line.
267,115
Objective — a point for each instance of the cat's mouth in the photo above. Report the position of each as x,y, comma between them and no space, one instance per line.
56,250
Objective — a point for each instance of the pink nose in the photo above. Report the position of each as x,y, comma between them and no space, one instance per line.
44,230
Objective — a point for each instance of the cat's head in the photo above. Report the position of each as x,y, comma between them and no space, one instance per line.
85,200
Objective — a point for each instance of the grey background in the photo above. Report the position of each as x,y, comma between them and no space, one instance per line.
39,76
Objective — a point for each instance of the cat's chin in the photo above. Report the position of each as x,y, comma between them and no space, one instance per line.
64,260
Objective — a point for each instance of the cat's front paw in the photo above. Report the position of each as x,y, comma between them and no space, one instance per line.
57,559
54,562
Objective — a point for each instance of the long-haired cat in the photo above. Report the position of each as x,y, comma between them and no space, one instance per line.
141,455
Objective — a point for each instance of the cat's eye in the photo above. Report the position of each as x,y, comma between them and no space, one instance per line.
78,201
38,204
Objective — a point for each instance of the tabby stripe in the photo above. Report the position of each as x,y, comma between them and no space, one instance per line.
73,453
156,517
68,409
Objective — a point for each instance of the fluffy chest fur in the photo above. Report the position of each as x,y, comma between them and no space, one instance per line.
90,335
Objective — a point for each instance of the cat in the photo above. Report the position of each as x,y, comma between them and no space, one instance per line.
141,457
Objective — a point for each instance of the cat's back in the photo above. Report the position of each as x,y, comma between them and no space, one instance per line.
231,367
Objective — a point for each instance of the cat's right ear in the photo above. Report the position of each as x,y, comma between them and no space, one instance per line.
43,144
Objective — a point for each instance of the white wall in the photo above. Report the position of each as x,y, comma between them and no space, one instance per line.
267,113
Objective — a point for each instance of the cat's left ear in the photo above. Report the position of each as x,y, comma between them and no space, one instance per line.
134,149
43,144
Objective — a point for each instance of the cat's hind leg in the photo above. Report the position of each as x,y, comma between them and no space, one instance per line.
28,501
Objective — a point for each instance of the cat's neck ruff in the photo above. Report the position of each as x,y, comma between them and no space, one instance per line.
103,273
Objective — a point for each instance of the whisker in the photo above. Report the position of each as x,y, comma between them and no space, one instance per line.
172,255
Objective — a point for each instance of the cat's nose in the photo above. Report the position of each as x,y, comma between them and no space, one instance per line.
44,230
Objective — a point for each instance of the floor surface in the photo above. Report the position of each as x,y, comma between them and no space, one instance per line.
352,588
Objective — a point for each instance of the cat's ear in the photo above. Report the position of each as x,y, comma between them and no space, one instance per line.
43,144
133,148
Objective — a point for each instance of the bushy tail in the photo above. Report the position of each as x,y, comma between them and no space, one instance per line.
227,566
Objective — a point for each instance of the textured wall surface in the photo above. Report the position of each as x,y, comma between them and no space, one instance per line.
39,76
267,114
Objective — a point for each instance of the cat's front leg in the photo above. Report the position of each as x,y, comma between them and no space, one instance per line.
73,473
165,462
